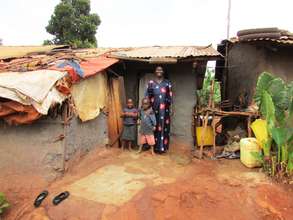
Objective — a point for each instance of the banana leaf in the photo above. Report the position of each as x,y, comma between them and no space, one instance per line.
280,135
279,92
290,94
263,83
267,109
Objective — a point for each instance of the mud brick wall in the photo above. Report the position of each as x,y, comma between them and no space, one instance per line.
247,61
82,137
34,149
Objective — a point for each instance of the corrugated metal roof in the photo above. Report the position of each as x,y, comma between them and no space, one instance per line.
166,51
92,52
282,40
20,51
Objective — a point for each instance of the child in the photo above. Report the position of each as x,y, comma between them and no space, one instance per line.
129,116
147,125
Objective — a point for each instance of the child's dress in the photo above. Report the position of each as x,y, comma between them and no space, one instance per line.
129,122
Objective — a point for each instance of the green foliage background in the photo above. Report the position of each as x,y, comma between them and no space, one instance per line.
204,94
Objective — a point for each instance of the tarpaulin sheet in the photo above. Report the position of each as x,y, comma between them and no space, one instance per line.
15,113
72,67
35,84
71,63
90,96
53,97
13,95
93,66
32,88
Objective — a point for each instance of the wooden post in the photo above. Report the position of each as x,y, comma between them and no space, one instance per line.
228,19
214,134
248,126
206,119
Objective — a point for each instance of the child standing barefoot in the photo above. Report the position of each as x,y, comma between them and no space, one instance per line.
129,116
147,125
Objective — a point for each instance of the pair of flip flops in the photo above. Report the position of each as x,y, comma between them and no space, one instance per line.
57,199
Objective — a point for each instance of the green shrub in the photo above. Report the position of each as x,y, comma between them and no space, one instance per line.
204,94
3,203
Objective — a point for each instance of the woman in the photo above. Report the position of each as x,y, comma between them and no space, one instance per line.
160,95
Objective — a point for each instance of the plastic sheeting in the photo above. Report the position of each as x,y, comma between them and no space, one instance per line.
15,113
34,88
84,69
35,84
53,97
90,96
71,63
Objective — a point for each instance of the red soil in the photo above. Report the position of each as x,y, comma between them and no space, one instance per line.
205,190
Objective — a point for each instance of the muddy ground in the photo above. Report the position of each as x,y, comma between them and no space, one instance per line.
109,184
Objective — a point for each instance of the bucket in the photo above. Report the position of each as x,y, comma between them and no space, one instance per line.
208,138
260,130
249,148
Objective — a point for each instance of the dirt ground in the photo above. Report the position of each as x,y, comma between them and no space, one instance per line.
109,184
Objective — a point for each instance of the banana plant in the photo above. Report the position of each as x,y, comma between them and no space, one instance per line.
275,100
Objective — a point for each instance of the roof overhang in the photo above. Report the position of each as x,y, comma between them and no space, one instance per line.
167,54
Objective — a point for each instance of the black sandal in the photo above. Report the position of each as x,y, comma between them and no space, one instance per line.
60,197
40,198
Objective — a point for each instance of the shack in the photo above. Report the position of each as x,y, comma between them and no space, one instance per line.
138,66
249,54
53,107
57,104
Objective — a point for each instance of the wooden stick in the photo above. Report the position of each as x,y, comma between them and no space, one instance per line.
248,126
206,119
232,113
205,123
214,134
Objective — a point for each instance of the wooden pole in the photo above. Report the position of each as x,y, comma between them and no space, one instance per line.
228,19
214,134
206,119
225,73
248,126
213,117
